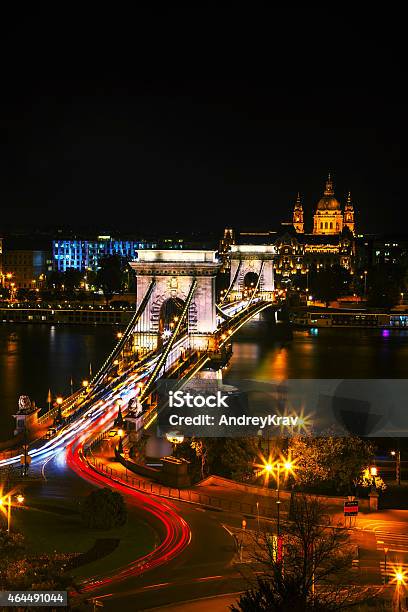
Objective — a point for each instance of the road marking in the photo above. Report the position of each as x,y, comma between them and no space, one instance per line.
44,465
155,586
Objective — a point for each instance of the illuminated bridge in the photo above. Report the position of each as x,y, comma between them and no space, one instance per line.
177,329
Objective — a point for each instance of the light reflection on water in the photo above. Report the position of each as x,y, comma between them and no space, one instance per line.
34,358
332,353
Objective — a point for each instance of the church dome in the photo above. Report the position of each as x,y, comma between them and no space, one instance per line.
328,201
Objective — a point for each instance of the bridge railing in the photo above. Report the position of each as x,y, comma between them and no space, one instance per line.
67,403
187,495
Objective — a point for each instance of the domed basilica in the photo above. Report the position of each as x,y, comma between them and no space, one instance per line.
329,219
331,242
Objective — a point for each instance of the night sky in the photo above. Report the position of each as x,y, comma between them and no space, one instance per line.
114,150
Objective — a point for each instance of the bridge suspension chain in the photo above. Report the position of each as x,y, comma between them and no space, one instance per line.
126,335
169,344
232,282
256,286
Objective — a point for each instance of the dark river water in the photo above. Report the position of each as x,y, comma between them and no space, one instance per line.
34,358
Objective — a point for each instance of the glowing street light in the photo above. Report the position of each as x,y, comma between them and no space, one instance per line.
399,577
59,401
287,466
119,335
85,383
268,467
6,499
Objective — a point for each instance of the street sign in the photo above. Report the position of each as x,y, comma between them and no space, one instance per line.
351,508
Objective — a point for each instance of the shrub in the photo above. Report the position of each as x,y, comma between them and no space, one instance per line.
104,509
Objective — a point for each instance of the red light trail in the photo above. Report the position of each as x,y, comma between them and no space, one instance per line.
177,534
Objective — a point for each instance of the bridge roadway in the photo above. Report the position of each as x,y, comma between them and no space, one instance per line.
97,414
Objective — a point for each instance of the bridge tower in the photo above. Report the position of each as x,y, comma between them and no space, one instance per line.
179,276
252,268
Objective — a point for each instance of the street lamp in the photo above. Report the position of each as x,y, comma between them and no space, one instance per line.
399,578
59,401
7,500
365,282
385,564
288,467
397,455
373,472
268,468
85,383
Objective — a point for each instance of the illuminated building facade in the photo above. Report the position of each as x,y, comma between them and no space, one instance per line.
329,219
86,254
332,241
26,268
300,253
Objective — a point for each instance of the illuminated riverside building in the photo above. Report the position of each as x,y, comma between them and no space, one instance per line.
86,254
331,242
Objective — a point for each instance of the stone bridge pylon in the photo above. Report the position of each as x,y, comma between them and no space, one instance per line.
252,268
178,275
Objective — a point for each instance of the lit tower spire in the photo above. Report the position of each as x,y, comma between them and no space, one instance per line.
329,186
349,214
298,215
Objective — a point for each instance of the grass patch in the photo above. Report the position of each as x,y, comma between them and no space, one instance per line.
47,531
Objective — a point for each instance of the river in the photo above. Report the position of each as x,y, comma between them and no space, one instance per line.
34,358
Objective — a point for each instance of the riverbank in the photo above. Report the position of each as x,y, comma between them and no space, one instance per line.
61,314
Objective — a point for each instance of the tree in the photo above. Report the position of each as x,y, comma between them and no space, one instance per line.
336,462
329,283
11,544
37,572
72,279
55,280
227,457
385,283
109,276
104,509
317,559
